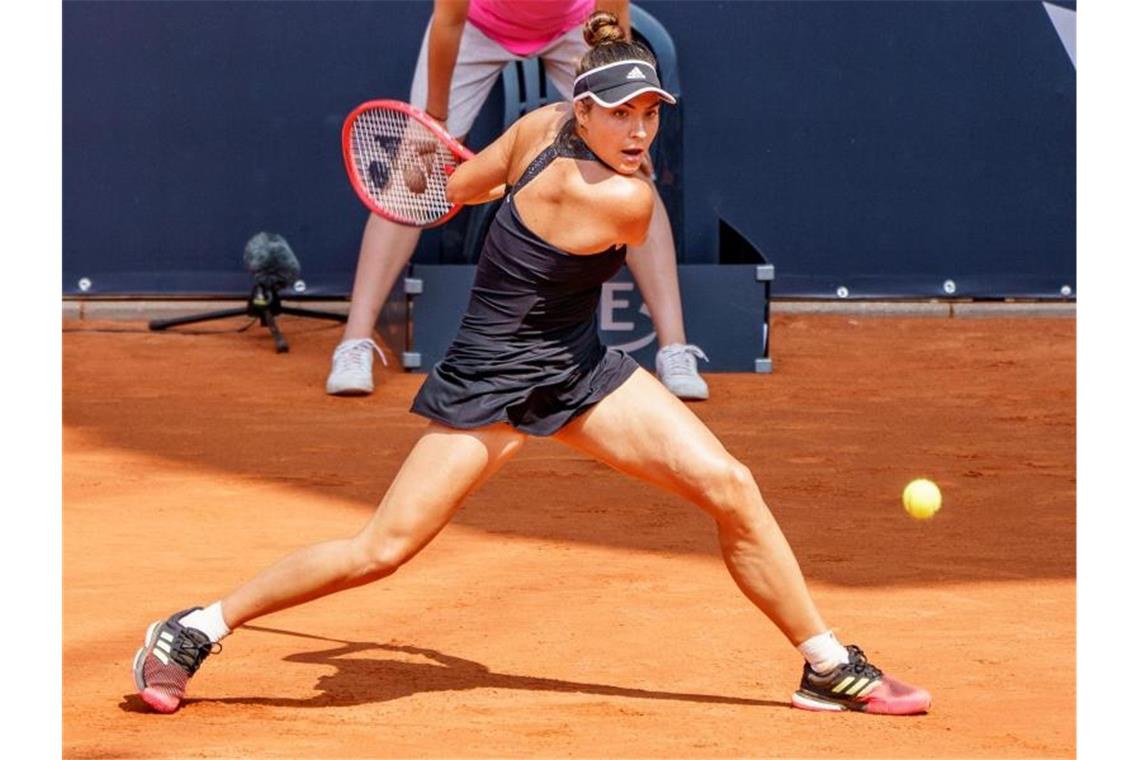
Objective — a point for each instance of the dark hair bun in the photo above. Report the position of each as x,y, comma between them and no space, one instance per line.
602,28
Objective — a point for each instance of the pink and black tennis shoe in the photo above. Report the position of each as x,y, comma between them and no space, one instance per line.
861,687
170,654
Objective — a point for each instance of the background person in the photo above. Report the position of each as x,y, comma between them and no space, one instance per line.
465,49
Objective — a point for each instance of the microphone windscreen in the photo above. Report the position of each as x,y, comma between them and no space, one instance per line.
270,259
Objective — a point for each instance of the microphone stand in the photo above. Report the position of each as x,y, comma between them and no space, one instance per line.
264,304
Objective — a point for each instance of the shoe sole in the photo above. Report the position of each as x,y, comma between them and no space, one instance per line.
158,702
805,701
353,391
687,394
140,656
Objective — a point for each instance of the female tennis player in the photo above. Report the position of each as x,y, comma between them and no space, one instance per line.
528,361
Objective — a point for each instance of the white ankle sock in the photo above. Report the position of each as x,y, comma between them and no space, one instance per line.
823,652
209,621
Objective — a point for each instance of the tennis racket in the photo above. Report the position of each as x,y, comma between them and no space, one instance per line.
398,160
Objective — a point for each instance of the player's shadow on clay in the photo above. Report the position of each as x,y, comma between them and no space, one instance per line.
363,680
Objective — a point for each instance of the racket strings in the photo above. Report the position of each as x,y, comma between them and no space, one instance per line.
401,165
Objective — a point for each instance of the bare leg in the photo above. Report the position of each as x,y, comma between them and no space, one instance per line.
654,268
643,430
385,249
442,469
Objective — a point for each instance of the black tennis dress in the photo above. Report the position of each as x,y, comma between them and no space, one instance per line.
528,352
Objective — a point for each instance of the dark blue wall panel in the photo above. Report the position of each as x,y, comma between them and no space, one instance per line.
881,146
190,126
887,146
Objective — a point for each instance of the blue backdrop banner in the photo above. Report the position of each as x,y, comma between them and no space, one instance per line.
917,148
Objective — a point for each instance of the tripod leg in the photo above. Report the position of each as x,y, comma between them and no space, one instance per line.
278,338
162,324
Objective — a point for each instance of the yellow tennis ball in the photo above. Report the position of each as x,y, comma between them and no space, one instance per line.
922,499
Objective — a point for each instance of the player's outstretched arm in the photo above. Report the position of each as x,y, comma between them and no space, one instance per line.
484,177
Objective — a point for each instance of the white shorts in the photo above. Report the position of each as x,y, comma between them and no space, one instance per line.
479,63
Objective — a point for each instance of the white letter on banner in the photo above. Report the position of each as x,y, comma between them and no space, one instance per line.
610,303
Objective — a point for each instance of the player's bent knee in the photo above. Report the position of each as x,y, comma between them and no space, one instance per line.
379,559
731,492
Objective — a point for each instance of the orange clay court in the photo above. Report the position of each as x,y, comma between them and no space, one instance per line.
569,611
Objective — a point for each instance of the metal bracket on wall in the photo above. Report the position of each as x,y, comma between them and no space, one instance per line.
413,286
765,273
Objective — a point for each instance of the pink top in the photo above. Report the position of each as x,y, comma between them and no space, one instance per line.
525,27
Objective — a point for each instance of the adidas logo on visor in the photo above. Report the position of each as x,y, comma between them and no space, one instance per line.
635,73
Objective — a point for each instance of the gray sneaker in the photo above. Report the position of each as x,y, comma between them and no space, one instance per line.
351,373
677,371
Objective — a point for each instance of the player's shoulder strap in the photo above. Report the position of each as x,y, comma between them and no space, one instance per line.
567,144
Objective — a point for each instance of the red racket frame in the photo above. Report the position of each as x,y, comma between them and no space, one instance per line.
457,149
